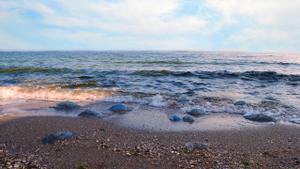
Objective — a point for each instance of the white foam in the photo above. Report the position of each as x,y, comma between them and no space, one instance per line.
53,94
157,101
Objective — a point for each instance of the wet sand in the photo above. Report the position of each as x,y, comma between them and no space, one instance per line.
101,144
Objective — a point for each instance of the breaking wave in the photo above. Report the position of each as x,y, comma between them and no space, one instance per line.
52,94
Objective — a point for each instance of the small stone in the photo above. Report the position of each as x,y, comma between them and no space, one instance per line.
174,118
67,106
191,146
197,112
88,113
259,117
119,108
188,118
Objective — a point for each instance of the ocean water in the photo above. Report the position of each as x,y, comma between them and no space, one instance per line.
268,82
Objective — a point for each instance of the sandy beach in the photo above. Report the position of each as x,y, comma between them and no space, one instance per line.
100,144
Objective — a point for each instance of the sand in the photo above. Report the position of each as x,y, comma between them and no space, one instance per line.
101,144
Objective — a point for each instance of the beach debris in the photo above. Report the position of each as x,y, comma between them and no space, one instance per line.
119,108
191,146
240,103
174,118
67,105
197,112
88,113
259,117
188,118
60,135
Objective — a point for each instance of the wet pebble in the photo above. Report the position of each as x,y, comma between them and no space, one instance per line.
197,112
259,117
88,113
188,118
174,118
119,108
67,106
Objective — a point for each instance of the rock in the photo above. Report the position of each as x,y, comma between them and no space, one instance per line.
88,113
119,108
191,146
61,135
188,118
259,117
197,112
66,106
240,103
174,118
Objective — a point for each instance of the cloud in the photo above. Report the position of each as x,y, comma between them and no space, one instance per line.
129,16
9,42
261,25
257,39
156,24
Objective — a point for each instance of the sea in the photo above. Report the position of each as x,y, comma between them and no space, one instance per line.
217,82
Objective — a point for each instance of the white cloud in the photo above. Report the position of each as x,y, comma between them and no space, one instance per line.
9,42
258,39
267,12
268,24
263,25
129,16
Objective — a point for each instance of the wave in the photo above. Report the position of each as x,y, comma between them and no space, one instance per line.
85,75
178,62
248,75
52,94
15,70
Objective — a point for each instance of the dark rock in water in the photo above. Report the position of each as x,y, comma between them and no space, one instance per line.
188,118
197,112
66,106
191,146
259,117
119,108
174,118
61,135
240,103
88,113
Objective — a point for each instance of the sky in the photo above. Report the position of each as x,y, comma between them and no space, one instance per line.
238,25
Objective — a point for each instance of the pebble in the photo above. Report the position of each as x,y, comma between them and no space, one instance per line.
119,108
88,113
259,117
188,118
67,106
197,112
174,118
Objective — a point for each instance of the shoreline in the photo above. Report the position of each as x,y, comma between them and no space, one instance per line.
101,144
